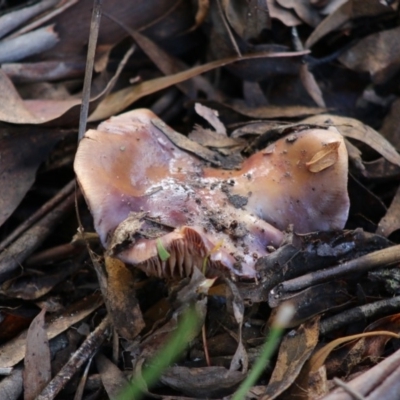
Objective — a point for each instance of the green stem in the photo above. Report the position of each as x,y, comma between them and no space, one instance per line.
168,354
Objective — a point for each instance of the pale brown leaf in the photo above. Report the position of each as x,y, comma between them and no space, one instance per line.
37,372
324,158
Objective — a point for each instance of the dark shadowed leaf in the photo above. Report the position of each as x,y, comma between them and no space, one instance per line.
208,381
377,54
21,152
345,13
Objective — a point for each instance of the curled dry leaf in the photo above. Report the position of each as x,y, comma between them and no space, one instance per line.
324,158
140,185
354,129
211,116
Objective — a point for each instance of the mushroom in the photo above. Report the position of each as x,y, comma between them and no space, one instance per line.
165,211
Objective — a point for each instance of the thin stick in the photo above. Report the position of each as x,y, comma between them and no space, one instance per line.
94,34
362,264
205,345
228,29
360,313
29,241
87,349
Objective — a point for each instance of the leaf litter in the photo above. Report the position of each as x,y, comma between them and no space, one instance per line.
244,67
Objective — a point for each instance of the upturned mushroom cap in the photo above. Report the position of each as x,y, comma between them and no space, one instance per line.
144,192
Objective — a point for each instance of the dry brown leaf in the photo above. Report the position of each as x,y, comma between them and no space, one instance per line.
121,301
294,351
272,112
223,144
13,351
37,372
375,346
235,306
318,359
313,365
193,147
113,379
310,84
120,100
201,13
333,21
324,158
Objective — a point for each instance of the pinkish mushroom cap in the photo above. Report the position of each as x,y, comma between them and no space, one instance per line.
144,192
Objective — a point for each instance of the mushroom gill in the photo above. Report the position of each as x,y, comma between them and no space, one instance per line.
146,194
